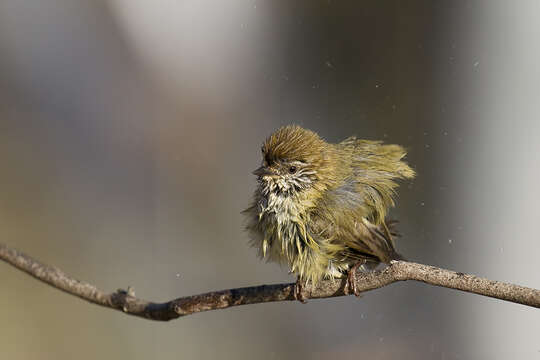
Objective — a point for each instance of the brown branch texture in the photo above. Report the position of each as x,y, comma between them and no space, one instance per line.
125,300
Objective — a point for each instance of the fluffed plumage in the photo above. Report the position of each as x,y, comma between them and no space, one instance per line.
319,207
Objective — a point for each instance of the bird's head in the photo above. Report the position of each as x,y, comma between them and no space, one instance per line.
294,160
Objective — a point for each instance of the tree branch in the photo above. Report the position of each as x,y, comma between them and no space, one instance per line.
125,300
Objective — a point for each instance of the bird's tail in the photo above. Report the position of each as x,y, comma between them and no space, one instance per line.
397,256
385,234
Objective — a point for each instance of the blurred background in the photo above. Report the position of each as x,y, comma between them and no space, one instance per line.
129,128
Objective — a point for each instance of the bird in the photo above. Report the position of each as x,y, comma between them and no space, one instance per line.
320,208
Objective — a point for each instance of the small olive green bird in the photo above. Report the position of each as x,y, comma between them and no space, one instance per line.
320,208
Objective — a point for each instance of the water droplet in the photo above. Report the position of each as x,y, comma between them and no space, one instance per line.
422,203
445,133
450,241
178,275
476,64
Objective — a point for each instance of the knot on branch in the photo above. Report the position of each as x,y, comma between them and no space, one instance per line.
121,298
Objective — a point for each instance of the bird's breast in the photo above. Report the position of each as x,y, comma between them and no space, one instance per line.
281,218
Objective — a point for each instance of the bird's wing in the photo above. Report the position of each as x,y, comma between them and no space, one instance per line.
341,220
351,216
375,167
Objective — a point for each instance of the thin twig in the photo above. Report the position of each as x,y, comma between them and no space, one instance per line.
125,300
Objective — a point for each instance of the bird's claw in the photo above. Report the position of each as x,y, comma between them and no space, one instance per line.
298,294
351,280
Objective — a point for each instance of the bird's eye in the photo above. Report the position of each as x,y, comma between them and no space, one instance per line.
292,169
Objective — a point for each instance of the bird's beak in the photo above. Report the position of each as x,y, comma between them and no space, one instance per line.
263,171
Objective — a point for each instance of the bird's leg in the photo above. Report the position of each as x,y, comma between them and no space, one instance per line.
351,279
298,295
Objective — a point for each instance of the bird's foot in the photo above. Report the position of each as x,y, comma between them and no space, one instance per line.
298,293
351,280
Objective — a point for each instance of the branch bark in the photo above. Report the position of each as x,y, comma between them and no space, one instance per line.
125,300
